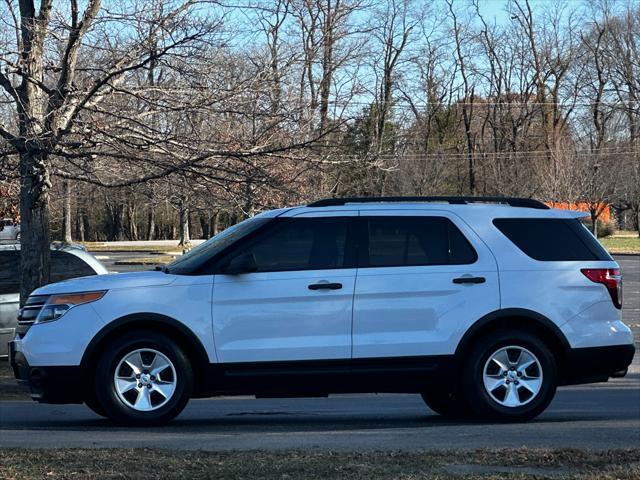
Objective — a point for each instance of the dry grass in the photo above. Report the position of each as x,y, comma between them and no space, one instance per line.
161,464
9,388
5,370
625,233
622,244
155,260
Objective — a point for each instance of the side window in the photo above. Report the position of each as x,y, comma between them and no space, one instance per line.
415,241
301,244
9,272
65,265
552,239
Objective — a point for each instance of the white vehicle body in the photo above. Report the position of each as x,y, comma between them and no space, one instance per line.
9,230
330,324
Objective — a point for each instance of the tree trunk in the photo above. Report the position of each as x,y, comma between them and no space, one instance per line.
151,224
88,234
205,225
80,225
34,219
66,212
133,226
184,224
116,213
594,221
215,223
470,148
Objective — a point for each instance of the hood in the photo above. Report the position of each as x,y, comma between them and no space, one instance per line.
110,281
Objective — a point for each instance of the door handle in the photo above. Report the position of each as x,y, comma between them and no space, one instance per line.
325,286
469,280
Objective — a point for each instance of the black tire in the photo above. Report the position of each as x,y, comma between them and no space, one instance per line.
447,403
481,402
92,402
115,407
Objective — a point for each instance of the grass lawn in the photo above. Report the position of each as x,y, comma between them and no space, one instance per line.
471,465
622,244
108,247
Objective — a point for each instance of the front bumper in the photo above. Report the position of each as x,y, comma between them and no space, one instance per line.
596,364
56,384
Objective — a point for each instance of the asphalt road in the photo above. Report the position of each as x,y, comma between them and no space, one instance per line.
599,416
596,417
630,265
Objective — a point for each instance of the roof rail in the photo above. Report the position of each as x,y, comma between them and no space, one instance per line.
514,202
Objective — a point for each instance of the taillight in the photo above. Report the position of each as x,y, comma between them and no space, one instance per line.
610,278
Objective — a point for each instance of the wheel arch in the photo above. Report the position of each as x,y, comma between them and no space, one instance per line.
523,319
170,327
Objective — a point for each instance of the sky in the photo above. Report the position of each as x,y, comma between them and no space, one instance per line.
498,9
494,10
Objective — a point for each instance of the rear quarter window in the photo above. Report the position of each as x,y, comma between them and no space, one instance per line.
552,239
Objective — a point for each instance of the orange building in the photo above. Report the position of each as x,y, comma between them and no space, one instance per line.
605,216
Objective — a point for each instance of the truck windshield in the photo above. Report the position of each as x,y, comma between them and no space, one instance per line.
190,261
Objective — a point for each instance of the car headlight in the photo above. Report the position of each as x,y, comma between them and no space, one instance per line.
57,305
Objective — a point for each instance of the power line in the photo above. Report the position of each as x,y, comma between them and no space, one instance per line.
230,98
490,155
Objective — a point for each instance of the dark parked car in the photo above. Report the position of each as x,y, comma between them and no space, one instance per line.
67,261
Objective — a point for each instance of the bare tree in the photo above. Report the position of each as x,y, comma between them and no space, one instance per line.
468,94
329,42
52,89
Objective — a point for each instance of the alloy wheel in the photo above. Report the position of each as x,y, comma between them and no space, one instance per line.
512,376
145,380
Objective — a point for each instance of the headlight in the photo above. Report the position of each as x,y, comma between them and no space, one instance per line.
57,305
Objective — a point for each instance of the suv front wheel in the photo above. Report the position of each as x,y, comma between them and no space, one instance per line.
143,378
511,376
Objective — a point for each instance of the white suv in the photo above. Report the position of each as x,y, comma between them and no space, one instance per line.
483,306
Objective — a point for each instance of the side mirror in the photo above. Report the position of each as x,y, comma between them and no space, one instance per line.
243,263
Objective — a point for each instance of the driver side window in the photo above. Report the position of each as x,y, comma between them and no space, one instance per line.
300,244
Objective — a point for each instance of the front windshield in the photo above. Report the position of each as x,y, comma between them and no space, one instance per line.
196,257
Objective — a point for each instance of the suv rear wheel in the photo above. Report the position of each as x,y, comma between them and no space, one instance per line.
143,378
511,376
